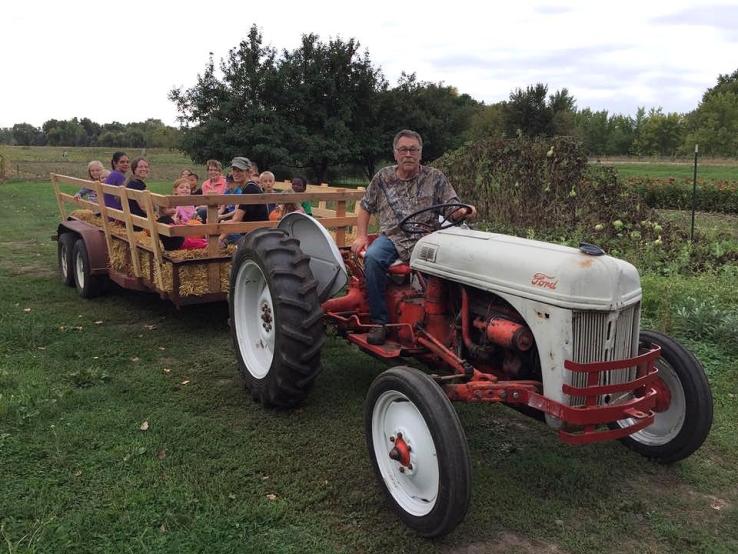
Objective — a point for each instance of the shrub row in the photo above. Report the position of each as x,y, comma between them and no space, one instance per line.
676,194
544,189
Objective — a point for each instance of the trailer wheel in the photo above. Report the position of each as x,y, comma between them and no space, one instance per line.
88,285
682,425
64,248
418,450
275,316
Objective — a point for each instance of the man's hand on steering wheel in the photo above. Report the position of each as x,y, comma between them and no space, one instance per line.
461,214
451,219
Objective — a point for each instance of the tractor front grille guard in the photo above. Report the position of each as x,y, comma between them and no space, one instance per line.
582,424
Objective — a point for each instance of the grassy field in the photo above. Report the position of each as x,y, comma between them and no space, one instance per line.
216,472
37,162
711,170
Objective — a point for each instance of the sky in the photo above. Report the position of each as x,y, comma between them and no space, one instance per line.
113,61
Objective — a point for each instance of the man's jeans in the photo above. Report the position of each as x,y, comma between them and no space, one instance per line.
379,256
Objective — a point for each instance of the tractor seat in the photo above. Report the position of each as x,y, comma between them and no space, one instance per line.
399,268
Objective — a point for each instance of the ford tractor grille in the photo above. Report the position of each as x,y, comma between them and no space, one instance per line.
601,337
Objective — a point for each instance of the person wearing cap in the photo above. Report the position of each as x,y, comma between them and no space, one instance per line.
243,177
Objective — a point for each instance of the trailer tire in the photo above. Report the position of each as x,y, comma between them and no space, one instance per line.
275,318
429,484
683,426
88,285
64,247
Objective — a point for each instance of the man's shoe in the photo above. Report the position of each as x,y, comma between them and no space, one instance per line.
377,335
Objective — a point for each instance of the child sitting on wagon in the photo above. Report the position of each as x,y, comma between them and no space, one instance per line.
181,215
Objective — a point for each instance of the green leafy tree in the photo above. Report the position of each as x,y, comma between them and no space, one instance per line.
714,126
620,134
237,114
327,88
563,108
438,112
309,108
6,135
112,138
593,130
26,134
488,122
660,134
92,131
727,83
64,133
532,112
527,112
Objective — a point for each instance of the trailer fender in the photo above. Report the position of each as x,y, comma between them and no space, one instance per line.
97,249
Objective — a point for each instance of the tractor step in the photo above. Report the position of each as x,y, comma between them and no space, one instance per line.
389,349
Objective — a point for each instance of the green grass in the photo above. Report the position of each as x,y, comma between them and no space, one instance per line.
36,162
714,226
78,378
706,169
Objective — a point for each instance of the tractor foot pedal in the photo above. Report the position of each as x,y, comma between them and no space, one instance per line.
389,349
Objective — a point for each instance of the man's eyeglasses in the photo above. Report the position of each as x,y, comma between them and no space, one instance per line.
408,149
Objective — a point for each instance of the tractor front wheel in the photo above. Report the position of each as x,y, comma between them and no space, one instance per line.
684,409
275,316
418,450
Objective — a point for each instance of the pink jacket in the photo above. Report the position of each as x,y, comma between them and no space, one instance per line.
214,188
184,213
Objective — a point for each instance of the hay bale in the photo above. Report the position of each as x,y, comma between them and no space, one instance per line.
225,275
193,278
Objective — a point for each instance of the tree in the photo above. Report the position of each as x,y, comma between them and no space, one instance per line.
527,113
659,134
592,130
64,133
620,136
530,113
26,134
727,83
92,131
488,122
314,107
563,107
236,115
714,126
6,135
327,86
438,112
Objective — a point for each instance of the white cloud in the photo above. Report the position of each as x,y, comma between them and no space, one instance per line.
119,61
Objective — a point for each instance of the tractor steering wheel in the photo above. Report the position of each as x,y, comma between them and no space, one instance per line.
420,227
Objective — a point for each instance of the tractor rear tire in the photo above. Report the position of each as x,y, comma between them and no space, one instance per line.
88,285
681,428
275,318
64,248
429,485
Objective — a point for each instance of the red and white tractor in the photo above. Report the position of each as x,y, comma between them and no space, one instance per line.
548,329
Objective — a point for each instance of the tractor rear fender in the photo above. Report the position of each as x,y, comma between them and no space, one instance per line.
94,238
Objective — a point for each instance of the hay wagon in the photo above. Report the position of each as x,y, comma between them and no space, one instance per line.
98,244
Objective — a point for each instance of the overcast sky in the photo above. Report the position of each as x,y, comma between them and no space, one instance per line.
117,61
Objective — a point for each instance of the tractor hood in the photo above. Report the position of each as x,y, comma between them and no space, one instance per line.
544,272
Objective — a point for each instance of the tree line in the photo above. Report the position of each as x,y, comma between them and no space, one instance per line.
324,105
152,133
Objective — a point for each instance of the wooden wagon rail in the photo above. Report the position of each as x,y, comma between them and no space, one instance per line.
142,278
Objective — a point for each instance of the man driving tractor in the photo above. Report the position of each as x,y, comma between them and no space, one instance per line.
394,193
